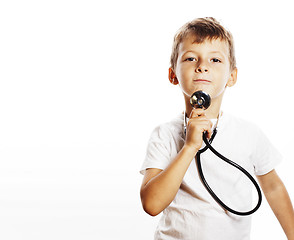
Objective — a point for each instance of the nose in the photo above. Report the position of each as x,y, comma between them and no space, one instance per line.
201,68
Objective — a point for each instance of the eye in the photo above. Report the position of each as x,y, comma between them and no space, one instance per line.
190,59
215,60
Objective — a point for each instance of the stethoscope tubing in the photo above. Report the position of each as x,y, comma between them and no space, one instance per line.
202,100
232,163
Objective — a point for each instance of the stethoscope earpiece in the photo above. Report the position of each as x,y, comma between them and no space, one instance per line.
200,99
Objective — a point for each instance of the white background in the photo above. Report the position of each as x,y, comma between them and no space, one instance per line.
83,83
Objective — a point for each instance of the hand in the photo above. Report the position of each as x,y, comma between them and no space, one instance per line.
198,124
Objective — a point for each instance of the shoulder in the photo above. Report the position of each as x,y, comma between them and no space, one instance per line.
170,129
240,124
174,125
239,130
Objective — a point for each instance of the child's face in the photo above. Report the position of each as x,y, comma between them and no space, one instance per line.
203,66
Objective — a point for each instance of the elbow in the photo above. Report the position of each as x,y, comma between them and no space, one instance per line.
150,209
150,205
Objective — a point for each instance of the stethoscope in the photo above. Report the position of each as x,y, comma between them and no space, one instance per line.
201,99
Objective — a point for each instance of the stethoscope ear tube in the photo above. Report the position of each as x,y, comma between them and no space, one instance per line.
198,161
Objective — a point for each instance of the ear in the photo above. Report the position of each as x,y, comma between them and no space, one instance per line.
233,78
172,77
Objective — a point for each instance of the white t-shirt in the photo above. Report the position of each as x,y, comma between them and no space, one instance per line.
194,214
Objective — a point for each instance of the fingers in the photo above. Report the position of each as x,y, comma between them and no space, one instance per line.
197,125
197,112
208,133
198,117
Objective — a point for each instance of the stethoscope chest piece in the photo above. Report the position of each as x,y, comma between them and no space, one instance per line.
200,99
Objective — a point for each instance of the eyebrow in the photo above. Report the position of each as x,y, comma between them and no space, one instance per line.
191,51
217,52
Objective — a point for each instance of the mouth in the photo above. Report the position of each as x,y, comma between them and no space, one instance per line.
201,81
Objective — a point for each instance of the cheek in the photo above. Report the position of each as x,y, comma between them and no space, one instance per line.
184,71
222,73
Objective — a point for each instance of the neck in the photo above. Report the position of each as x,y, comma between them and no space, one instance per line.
211,112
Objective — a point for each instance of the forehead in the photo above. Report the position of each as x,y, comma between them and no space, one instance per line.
189,43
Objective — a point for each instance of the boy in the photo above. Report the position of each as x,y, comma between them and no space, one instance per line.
203,59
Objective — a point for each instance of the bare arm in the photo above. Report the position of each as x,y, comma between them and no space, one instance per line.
159,187
279,201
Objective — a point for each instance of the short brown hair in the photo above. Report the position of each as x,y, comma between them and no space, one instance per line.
202,29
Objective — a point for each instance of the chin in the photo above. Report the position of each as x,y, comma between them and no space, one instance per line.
204,89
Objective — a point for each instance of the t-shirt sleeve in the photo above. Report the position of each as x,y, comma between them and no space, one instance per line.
265,156
158,150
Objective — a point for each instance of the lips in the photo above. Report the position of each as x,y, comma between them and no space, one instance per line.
202,81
